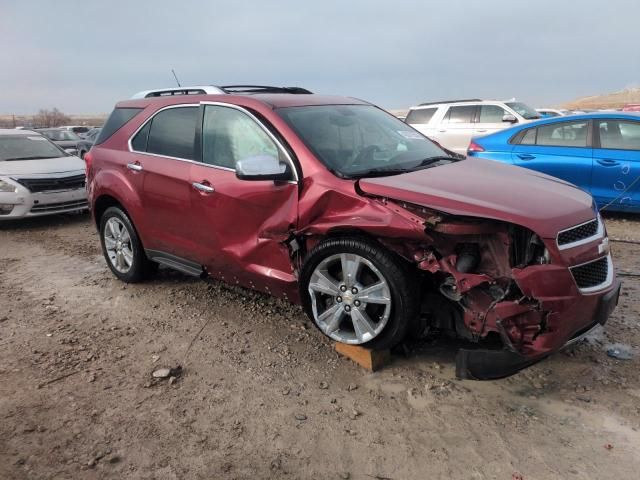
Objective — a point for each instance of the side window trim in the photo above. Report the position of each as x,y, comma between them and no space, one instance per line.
278,143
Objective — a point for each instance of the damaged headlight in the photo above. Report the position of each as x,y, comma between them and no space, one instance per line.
527,248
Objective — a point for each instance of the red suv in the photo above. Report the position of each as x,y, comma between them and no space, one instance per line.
333,203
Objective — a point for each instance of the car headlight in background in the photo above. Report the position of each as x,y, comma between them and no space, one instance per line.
71,151
7,187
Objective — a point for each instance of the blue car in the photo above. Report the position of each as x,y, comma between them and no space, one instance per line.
598,152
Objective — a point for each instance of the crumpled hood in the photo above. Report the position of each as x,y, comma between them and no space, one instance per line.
43,166
488,189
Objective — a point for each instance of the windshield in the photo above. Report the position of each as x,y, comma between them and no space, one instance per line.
27,147
361,140
524,110
60,135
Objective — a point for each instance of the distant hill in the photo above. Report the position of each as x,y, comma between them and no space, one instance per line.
609,100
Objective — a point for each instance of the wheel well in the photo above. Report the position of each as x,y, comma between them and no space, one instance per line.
356,232
101,204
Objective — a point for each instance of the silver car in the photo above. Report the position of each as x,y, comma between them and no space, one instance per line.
37,177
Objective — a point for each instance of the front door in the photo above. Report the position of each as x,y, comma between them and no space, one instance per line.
241,226
616,164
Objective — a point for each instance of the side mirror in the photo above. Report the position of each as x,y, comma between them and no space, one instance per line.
262,167
507,117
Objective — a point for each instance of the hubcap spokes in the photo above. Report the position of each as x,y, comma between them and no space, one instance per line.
117,242
350,299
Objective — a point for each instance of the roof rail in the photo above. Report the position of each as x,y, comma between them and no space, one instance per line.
451,101
214,90
263,89
194,90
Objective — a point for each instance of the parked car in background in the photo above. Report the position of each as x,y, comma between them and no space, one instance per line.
80,130
552,112
37,177
65,139
87,142
598,152
453,123
631,107
333,203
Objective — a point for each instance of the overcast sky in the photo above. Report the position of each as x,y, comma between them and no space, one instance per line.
83,56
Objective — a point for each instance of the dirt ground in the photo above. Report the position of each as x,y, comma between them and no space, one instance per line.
264,395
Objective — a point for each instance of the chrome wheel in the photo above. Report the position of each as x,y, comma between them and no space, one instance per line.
117,243
350,298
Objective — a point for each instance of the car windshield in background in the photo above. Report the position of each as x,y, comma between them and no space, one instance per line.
60,135
524,110
27,147
362,140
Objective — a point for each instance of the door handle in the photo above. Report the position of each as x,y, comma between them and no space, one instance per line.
606,162
481,131
442,131
201,187
136,167
526,156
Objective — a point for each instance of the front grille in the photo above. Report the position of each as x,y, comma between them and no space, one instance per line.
578,233
53,207
591,274
48,184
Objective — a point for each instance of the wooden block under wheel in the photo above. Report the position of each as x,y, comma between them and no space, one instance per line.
370,359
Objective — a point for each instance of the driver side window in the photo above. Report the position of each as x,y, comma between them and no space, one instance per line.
229,135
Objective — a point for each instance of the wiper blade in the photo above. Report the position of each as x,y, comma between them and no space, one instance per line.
379,172
430,160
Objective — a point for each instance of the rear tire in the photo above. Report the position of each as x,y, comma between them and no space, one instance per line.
357,292
122,248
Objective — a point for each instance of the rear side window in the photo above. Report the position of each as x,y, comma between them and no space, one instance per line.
461,114
529,137
619,135
420,115
565,134
170,133
116,120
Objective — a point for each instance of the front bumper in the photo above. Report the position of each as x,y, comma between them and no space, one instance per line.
28,204
482,364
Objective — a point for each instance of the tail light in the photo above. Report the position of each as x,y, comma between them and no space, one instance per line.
474,147
87,160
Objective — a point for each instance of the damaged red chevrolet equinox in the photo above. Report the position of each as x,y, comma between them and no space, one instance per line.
335,204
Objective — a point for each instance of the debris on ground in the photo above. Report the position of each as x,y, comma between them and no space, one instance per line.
620,352
164,372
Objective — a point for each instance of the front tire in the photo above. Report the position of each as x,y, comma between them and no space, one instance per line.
122,248
359,293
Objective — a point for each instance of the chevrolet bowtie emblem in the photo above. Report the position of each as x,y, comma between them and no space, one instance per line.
603,247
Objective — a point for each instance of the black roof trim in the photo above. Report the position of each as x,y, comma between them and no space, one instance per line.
263,89
451,101
171,92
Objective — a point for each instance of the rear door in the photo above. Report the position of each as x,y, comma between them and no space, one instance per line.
166,149
560,149
456,128
240,226
616,163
